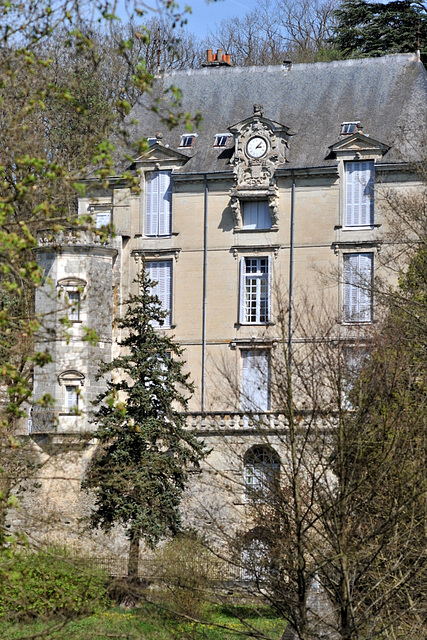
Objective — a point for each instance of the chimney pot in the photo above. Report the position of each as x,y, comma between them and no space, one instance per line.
209,55
219,55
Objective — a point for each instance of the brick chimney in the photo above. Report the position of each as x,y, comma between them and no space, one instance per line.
218,59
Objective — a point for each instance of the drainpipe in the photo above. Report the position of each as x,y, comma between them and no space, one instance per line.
205,261
291,273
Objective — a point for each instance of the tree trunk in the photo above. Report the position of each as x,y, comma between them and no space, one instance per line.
5,488
133,563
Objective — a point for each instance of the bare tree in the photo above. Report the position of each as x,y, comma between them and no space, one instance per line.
276,30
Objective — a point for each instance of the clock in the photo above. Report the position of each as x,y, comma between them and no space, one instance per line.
256,147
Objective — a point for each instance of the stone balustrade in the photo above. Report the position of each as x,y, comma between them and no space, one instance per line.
235,421
70,237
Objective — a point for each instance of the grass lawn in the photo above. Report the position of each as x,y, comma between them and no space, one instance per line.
151,623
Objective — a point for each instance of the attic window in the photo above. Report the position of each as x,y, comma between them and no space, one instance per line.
348,128
221,139
187,141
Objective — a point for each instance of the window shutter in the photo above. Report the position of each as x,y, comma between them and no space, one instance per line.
242,297
161,272
151,204
359,194
347,288
358,269
255,380
165,200
365,287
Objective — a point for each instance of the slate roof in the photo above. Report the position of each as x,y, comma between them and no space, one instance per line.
388,95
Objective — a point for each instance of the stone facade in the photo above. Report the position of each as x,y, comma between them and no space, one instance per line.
274,174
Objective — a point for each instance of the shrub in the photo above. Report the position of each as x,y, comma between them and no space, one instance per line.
184,568
50,582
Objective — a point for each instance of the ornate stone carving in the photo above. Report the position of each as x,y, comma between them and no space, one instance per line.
236,211
260,147
258,171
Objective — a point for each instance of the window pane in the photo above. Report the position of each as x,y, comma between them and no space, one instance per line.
71,398
74,301
256,215
256,290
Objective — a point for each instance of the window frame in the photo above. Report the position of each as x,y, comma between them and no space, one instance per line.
71,389
223,138
260,215
158,204
359,208
151,265
74,306
71,379
246,298
261,473
73,286
185,137
353,291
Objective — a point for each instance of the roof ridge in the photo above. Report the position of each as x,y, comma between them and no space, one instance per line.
395,57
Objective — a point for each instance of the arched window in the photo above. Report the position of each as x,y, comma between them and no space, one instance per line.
261,472
71,381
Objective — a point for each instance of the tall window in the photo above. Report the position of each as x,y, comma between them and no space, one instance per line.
256,215
71,398
74,308
255,380
161,272
254,290
158,201
261,472
359,194
357,292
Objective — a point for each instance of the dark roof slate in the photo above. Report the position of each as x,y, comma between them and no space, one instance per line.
387,95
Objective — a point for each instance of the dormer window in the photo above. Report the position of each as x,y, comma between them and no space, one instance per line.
187,140
221,139
347,128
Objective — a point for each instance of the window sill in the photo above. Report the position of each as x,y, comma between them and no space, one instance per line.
75,414
254,324
365,227
243,230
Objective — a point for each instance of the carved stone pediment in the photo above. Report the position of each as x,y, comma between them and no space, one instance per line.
260,147
159,154
358,146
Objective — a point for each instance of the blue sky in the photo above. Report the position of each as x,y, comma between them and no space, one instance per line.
205,14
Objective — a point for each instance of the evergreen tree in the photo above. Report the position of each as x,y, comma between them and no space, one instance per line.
140,471
375,29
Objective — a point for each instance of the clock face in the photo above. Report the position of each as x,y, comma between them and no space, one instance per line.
256,147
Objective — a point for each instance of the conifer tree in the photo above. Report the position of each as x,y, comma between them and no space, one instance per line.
376,29
140,471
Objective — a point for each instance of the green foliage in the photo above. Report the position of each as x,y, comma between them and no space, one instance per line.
153,623
52,582
139,473
375,29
